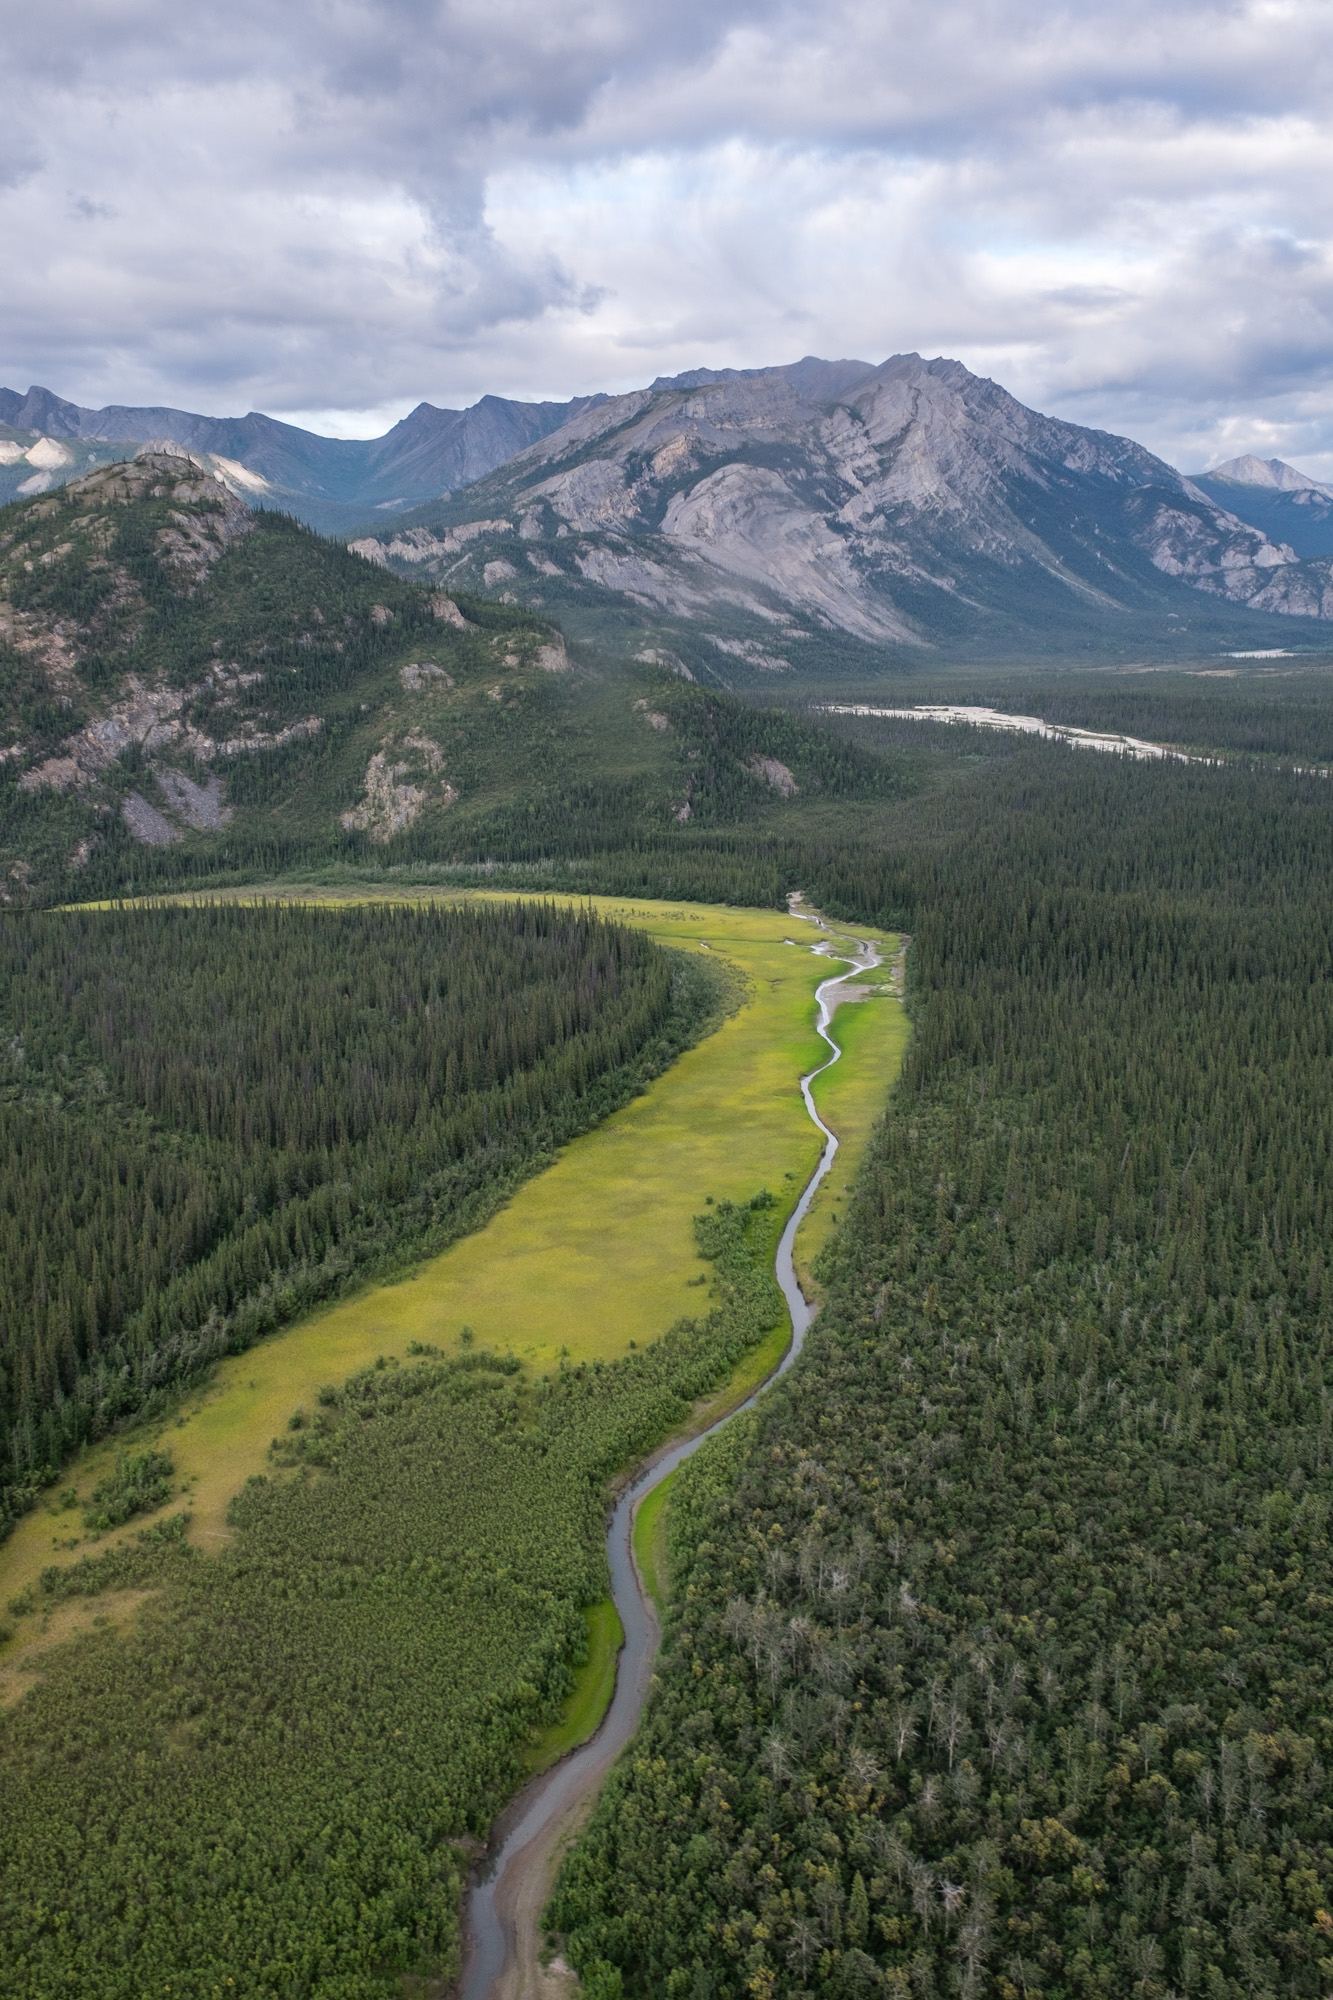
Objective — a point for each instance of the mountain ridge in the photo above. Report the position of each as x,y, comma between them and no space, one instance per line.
902,504
332,484
897,504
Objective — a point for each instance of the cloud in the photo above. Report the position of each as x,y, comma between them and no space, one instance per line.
1122,212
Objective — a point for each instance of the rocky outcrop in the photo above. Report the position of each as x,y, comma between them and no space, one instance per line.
396,788
151,719
199,805
206,520
774,774
419,674
447,611
423,545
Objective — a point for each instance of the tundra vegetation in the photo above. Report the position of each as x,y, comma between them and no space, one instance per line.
999,1652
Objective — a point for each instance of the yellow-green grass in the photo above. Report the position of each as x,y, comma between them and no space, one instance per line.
590,1696
650,1541
850,1097
590,1255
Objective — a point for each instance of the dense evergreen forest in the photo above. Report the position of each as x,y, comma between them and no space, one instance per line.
999,1660
212,1118
561,785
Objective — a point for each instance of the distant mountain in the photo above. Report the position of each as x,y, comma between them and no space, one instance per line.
1287,505
1270,472
751,511
334,484
905,503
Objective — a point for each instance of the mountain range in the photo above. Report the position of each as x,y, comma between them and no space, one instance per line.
191,687
332,484
753,521
906,504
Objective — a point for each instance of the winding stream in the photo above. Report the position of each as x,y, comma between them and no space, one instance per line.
503,1908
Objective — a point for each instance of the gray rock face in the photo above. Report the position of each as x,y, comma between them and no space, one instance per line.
878,501
200,806
146,823
889,502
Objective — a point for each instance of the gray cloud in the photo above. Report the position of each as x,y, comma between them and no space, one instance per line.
1121,211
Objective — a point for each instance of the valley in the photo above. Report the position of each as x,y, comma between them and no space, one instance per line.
595,1252
967,1646
632,1185
405,987
505,1900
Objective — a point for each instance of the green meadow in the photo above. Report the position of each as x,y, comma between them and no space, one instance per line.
650,1542
591,1258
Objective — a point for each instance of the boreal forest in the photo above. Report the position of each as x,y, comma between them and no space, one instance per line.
996,1634
999,1658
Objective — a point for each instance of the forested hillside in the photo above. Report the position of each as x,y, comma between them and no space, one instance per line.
192,693
211,1118
999,1660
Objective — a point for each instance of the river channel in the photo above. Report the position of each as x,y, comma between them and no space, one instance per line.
504,1904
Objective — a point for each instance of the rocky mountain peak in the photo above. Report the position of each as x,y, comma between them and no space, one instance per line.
1273,473
206,516
876,500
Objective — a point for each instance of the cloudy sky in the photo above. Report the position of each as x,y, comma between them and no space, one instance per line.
332,209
